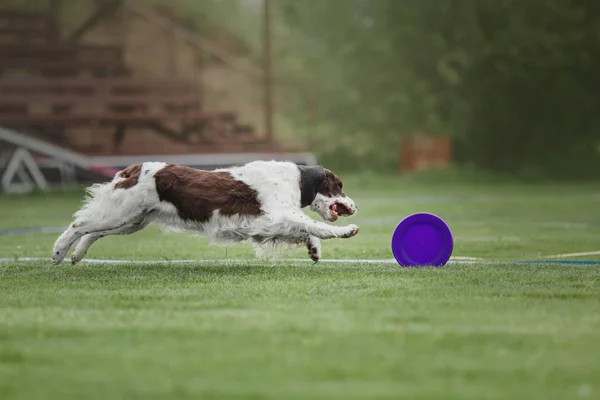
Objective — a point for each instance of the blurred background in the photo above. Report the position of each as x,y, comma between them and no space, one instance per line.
500,87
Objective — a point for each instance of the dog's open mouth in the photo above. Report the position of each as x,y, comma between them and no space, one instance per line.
339,210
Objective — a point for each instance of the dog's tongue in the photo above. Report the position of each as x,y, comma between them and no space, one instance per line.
334,209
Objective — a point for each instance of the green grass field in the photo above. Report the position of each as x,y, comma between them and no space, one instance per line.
294,330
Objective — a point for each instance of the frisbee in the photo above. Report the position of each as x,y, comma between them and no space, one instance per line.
421,240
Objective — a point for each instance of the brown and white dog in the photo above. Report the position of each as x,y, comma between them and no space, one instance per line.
260,202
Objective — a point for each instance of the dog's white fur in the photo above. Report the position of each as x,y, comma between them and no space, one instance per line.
109,211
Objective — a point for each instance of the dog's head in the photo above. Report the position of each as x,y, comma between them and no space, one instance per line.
322,190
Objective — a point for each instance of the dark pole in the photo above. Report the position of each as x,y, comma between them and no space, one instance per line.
55,8
268,71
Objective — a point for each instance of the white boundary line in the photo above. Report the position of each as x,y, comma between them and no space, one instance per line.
583,254
453,260
225,261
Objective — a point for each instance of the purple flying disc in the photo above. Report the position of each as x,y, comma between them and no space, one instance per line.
421,240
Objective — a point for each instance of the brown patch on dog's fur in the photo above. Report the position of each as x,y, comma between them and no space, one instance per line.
131,175
197,194
331,185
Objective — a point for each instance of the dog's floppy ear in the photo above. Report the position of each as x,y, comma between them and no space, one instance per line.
311,178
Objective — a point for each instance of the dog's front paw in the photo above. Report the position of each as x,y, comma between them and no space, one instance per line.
351,230
314,249
314,254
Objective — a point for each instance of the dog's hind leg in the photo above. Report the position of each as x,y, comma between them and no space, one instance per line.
78,229
115,217
88,240
112,206
84,244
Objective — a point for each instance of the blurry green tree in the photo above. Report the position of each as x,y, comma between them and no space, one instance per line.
514,83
